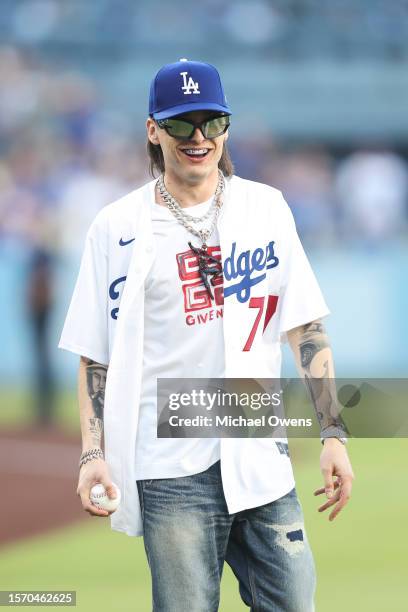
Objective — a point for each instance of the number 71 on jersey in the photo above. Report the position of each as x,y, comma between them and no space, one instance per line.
259,303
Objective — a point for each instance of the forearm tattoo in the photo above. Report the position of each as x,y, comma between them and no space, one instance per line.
315,363
96,382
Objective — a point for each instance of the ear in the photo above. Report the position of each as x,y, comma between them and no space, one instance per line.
226,135
151,128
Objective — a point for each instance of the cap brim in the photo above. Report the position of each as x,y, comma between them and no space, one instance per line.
189,107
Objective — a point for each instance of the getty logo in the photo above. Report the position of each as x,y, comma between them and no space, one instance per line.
189,86
243,267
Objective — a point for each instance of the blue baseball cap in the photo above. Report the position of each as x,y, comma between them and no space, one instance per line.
186,86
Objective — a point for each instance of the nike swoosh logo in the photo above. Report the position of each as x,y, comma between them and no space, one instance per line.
125,242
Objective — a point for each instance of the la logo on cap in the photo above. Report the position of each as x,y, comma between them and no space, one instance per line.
189,86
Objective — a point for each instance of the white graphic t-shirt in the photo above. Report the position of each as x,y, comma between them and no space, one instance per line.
183,338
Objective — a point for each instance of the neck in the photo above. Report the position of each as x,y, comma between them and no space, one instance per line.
190,193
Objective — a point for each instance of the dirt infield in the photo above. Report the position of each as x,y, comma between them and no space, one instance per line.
38,475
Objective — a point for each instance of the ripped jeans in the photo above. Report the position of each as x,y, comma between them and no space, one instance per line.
188,534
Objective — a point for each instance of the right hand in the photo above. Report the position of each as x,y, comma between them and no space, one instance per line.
94,472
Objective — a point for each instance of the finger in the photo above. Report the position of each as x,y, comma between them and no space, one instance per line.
329,502
95,511
328,481
109,486
322,489
110,489
97,514
344,498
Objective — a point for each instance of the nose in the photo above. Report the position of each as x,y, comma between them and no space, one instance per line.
198,136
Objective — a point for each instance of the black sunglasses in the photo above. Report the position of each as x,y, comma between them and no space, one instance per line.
184,128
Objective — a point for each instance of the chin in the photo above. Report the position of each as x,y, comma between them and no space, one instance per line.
196,173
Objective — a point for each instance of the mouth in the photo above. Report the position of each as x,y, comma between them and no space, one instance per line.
196,154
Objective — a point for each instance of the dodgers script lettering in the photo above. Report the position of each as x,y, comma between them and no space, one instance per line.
243,266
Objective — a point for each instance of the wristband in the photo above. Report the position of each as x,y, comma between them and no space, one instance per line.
333,432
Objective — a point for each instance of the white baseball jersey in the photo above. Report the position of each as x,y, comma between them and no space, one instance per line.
268,289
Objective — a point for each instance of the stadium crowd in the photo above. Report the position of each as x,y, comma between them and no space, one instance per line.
64,156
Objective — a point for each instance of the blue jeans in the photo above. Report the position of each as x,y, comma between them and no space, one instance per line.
188,534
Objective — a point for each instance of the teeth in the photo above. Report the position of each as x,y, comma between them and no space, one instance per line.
195,151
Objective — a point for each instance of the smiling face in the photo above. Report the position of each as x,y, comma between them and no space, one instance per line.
190,161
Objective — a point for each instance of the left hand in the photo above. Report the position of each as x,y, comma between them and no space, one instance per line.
334,461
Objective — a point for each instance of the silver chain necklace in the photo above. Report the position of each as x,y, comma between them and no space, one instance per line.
207,264
186,219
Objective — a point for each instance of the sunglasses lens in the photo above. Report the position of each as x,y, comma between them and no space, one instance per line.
179,128
216,127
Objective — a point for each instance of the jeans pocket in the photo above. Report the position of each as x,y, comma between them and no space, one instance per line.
139,484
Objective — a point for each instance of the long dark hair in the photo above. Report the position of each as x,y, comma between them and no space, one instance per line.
156,160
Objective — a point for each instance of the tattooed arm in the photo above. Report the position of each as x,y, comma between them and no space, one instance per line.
314,360
91,397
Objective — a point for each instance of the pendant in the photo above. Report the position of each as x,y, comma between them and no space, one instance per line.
205,260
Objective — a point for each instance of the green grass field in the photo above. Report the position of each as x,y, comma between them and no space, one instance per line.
361,557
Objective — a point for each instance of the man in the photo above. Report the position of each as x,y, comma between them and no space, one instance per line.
200,274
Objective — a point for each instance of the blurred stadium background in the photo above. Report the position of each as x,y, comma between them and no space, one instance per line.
319,91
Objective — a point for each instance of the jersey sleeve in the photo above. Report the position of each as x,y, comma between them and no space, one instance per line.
85,331
301,299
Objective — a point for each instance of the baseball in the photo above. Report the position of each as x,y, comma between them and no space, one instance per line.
99,498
